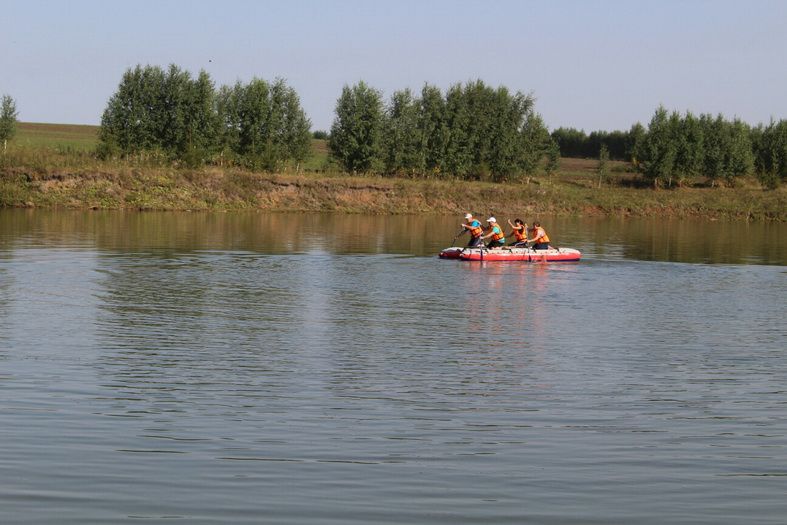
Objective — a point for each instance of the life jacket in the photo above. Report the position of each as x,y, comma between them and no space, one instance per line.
519,234
541,235
497,234
475,228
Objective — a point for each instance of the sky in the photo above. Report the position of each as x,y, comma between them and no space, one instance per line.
590,64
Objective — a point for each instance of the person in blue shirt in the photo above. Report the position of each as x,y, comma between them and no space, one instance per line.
474,227
495,233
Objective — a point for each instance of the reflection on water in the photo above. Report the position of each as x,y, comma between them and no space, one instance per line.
330,369
642,239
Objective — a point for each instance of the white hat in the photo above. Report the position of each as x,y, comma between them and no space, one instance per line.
468,215
491,219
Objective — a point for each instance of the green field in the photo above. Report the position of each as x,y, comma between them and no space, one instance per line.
56,136
83,138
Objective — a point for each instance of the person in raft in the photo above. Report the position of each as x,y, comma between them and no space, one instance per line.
518,232
495,233
474,227
540,238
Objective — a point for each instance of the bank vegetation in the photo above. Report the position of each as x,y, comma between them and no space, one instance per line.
171,140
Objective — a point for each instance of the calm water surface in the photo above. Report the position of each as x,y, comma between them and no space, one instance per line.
307,368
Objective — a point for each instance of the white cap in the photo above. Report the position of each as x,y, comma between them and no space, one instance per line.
491,219
468,215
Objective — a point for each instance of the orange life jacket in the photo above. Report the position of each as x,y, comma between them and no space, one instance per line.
541,235
498,235
519,234
475,231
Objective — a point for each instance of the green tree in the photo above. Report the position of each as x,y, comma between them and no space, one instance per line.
728,149
513,130
603,160
262,125
458,158
616,142
634,143
491,133
403,137
201,123
482,112
553,158
171,111
678,141
571,142
253,112
228,100
659,149
740,154
8,115
131,122
433,129
691,150
258,124
297,126
713,165
769,144
535,142
356,133
474,131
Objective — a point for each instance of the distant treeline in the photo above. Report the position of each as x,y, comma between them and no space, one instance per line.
172,114
577,144
471,131
677,147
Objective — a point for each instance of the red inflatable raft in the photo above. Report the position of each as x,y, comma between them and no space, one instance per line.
512,254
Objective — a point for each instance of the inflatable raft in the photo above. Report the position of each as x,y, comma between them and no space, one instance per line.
512,254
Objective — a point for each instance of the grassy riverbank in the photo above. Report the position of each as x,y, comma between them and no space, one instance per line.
51,166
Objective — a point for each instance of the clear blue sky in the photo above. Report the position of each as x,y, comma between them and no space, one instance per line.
590,64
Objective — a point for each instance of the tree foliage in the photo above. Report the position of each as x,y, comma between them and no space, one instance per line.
472,131
678,147
603,161
262,125
187,119
8,115
356,138
770,152
403,140
576,143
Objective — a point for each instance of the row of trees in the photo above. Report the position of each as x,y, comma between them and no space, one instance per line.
471,131
770,152
259,124
578,144
676,147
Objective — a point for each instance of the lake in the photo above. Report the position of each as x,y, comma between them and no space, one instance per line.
330,369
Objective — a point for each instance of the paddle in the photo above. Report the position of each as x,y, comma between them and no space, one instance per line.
457,235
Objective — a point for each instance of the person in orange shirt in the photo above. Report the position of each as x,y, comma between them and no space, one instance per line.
495,233
473,225
540,238
518,232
